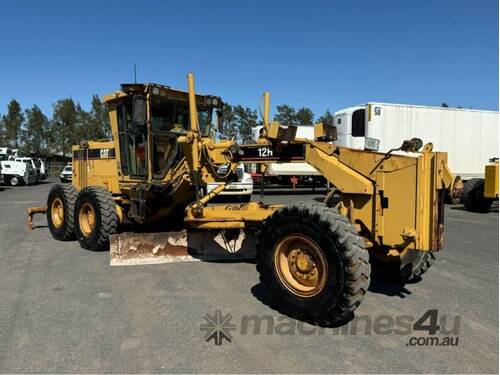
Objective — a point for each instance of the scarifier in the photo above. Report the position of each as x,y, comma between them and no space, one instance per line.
313,258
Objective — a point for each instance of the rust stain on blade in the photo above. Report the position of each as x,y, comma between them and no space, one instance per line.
172,247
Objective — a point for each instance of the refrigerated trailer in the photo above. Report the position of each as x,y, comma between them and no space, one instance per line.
469,136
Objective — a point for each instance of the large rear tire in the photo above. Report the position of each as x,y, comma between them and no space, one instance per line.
95,218
473,196
312,263
406,267
60,208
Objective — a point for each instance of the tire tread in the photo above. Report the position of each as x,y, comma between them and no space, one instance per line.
108,217
69,195
356,268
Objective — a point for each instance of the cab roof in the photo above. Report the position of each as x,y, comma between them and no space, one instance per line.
127,89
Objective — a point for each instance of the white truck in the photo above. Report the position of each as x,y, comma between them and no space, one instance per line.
18,173
470,137
5,154
241,189
34,164
43,168
290,173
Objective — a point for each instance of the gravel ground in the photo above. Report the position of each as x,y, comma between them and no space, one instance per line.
64,309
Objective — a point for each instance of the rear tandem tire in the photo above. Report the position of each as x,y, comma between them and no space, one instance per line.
60,208
332,250
473,196
407,268
95,218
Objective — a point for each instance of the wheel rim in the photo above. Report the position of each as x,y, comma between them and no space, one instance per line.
14,180
57,213
300,265
86,216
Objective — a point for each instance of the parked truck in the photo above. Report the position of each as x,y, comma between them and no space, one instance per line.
18,173
34,164
469,136
480,193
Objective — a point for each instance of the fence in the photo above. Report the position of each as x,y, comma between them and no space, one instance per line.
54,169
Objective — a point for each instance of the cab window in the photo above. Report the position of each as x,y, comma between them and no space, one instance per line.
133,141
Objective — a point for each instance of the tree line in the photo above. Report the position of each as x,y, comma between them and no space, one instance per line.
239,121
34,133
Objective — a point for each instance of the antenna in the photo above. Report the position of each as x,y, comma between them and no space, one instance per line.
135,74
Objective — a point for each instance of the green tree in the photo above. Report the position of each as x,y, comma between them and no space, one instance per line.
13,122
35,131
246,120
83,125
99,120
304,116
285,115
64,125
2,131
229,129
327,118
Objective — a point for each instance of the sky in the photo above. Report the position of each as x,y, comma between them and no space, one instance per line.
317,54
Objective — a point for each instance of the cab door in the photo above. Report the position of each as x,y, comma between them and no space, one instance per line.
133,143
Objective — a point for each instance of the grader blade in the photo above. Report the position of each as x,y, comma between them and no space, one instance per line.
183,246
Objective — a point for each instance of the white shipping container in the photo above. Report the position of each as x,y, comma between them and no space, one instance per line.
470,137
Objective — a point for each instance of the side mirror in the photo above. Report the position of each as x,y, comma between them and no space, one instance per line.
139,110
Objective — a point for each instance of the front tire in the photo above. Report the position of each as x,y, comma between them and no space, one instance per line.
312,263
15,181
60,208
95,218
473,196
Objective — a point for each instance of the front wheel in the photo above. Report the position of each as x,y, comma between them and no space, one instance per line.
312,263
95,218
15,181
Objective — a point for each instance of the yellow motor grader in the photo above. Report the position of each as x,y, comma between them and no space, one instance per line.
313,258
479,193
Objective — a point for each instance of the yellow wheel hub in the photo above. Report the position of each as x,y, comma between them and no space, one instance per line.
300,265
57,213
87,219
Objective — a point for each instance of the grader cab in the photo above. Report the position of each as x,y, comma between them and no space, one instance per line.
313,258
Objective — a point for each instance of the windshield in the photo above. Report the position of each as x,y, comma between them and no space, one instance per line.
173,115
67,169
